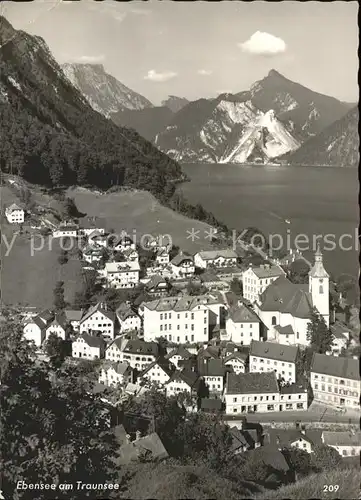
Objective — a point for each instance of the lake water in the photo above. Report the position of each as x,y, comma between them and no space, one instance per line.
316,201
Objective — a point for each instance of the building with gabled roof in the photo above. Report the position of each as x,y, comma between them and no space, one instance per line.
178,356
112,374
98,319
182,265
182,381
137,353
88,346
158,372
73,317
216,258
93,253
157,286
293,438
256,280
213,372
335,380
34,330
123,274
57,327
15,214
128,319
242,325
271,356
237,361
347,443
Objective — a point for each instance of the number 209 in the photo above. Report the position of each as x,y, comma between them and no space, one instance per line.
331,487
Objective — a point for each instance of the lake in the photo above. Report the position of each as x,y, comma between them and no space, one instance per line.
315,201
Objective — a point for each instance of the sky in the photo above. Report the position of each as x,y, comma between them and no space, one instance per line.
201,49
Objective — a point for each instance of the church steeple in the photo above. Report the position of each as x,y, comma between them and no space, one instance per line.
318,279
318,271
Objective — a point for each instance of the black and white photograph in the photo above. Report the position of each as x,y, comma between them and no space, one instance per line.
179,265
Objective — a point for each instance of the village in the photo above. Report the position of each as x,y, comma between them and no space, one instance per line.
221,334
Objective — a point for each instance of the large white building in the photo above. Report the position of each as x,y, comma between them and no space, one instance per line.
122,274
215,258
88,346
256,279
112,374
15,214
57,327
128,318
34,330
159,372
270,356
98,319
335,380
137,353
242,325
260,392
182,320
286,308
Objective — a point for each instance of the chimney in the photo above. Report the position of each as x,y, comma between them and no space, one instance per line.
303,429
138,435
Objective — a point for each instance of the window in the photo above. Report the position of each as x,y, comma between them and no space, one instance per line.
270,407
192,316
161,316
274,320
344,452
161,328
321,289
234,400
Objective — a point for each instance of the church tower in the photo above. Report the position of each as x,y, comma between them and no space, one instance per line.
318,280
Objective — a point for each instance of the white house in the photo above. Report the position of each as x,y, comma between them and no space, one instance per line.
182,266
158,372
216,258
242,325
128,319
257,279
260,392
336,380
66,230
137,353
57,327
181,319
112,374
130,254
305,440
212,371
237,361
182,381
88,346
86,231
98,238
92,253
286,308
34,330
341,337
157,286
123,242
178,356
122,274
15,214
98,319
347,443
269,356
162,256
73,317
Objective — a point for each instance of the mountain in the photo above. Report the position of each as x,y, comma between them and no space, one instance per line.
229,128
175,103
50,134
305,112
225,130
103,92
148,122
337,145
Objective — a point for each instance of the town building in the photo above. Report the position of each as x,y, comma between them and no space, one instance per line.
123,242
182,266
131,255
86,231
212,282
185,381
179,356
73,317
213,372
162,256
99,238
66,230
128,318
157,286
305,440
158,372
286,308
15,214
57,327
347,443
93,253
342,337
270,356
122,274
257,279
34,330
137,353
236,361
336,380
185,319
113,374
98,319
242,325
88,346
215,258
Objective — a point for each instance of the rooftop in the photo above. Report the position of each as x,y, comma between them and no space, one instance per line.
336,366
283,438
179,351
183,303
242,314
227,253
268,271
98,308
125,311
211,367
180,258
12,208
141,347
272,350
132,452
187,376
122,267
211,404
73,315
341,438
92,340
252,383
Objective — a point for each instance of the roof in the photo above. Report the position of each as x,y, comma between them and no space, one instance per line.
131,452
187,376
60,320
283,438
267,271
287,297
227,253
209,277
339,330
241,356
179,351
67,227
98,307
211,367
241,314
139,346
183,303
211,404
208,352
122,267
336,366
155,281
12,208
285,330
92,340
164,364
181,257
125,311
243,438
46,315
73,315
295,388
318,271
341,438
120,367
37,321
272,457
272,350
93,250
252,383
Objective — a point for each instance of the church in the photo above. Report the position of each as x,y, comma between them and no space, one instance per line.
285,308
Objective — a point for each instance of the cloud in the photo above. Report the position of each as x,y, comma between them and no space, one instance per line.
264,44
89,59
204,72
159,77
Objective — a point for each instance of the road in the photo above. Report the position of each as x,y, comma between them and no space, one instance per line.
301,416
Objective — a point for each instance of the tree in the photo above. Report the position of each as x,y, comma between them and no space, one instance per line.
56,429
236,286
318,333
59,300
70,209
298,271
63,257
195,289
325,457
298,460
57,349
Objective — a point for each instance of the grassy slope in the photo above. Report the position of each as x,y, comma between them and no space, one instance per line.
348,481
29,280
